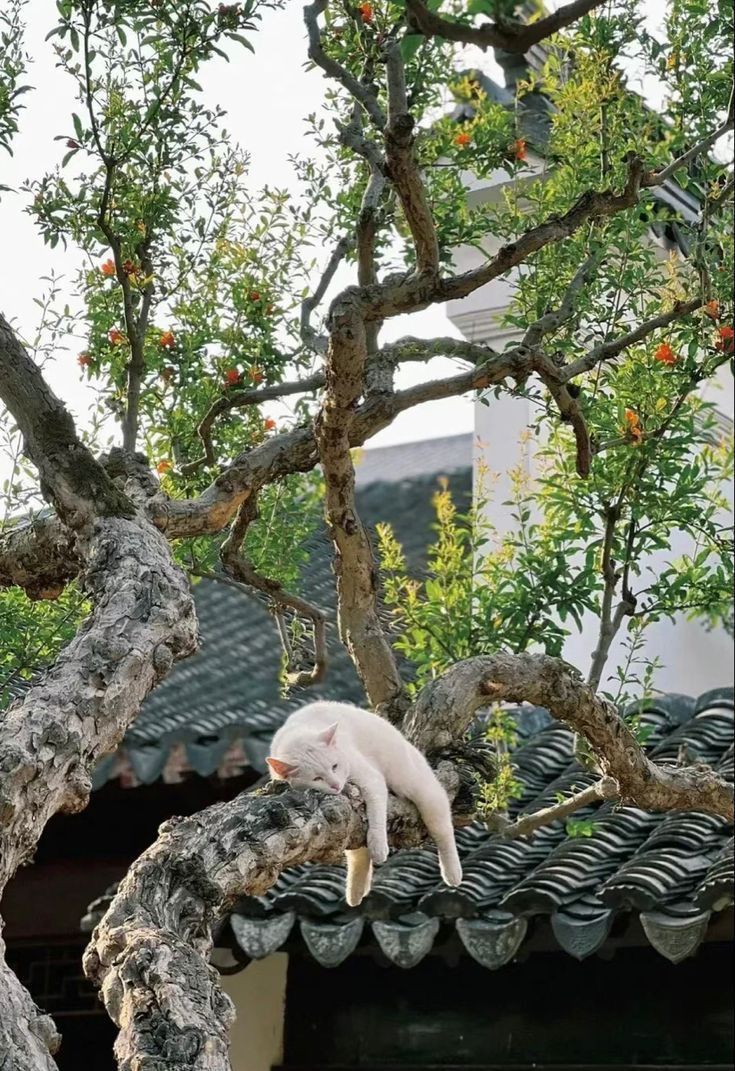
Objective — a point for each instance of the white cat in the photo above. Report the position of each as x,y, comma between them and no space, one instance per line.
324,745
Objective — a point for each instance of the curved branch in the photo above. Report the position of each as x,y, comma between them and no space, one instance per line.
70,477
508,37
335,70
549,682
308,335
245,574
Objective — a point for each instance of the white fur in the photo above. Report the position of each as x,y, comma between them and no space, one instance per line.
324,745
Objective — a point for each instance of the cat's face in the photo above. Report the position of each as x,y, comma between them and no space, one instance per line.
319,764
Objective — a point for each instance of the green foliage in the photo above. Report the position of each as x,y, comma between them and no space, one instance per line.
34,632
581,827
13,61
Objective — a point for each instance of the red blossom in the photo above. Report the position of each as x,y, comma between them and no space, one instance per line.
725,339
665,355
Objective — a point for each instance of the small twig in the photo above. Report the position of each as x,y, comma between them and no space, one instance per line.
309,336
239,399
606,351
552,321
243,574
657,178
605,789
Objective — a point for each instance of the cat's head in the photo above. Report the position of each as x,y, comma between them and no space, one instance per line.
315,762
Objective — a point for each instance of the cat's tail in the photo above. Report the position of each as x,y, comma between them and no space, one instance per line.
359,875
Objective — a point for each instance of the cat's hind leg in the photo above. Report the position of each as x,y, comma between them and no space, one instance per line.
433,806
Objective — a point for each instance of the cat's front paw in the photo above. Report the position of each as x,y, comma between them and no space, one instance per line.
451,871
377,844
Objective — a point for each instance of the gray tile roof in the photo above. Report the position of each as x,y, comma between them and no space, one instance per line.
674,872
429,457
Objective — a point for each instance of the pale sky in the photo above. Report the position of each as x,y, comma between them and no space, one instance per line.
267,95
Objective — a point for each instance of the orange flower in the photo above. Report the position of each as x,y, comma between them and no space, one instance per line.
366,13
163,466
256,375
167,340
108,268
254,295
712,309
520,149
633,426
129,267
463,139
725,339
84,360
665,354
115,337
269,424
232,376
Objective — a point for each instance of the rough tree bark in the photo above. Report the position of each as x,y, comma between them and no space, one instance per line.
142,621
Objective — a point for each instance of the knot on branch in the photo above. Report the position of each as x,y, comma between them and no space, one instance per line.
45,1030
77,791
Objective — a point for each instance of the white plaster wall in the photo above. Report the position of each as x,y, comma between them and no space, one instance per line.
694,660
259,996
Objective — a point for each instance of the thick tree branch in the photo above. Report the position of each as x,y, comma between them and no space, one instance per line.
402,167
142,620
553,684
149,953
70,477
510,38
355,566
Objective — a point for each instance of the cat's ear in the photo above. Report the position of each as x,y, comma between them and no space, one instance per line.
328,736
280,769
